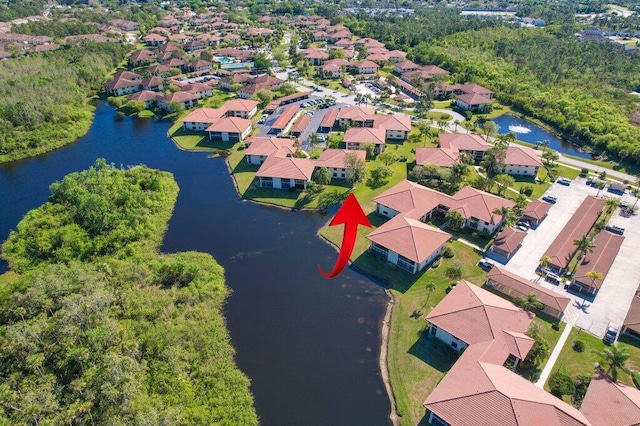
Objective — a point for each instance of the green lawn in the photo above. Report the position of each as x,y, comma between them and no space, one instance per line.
539,188
574,363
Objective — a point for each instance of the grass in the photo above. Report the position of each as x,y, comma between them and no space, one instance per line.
439,116
539,188
575,363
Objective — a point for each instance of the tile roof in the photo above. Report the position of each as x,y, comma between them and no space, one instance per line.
359,113
463,142
632,320
365,135
509,239
301,124
264,146
438,156
611,404
329,118
335,157
366,64
474,99
230,125
521,156
286,116
392,122
537,209
145,95
178,97
524,287
475,315
286,168
412,198
471,202
410,238
562,248
474,88
607,246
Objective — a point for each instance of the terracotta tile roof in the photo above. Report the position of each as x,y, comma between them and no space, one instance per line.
404,65
244,105
120,84
355,113
632,320
204,115
301,124
178,97
471,202
153,37
397,54
474,315
521,156
392,122
337,61
286,116
280,147
286,168
611,404
409,196
335,157
410,238
366,64
479,393
474,99
438,156
474,88
432,69
230,125
537,209
562,248
519,344
463,142
145,95
524,287
381,57
509,239
607,246
329,118
365,135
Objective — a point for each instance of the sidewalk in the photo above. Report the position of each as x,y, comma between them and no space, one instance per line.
546,371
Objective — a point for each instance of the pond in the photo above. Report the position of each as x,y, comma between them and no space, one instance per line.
309,345
527,131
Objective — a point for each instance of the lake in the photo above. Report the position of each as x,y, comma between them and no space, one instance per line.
309,345
527,131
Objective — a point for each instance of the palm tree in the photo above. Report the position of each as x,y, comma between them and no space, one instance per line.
595,276
456,123
489,128
528,303
507,213
611,204
584,245
614,358
430,287
544,144
545,261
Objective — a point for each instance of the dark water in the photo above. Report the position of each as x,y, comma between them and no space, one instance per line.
537,134
308,344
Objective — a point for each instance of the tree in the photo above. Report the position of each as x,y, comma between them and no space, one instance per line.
550,157
561,384
136,106
611,204
313,139
430,287
493,160
504,181
539,350
356,168
595,276
545,261
583,245
489,128
379,174
264,96
371,150
508,215
337,54
528,303
454,271
424,104
442,125
614,358
287,89
544,144
262,63
322,176
454,219
387,158
206,55
424,127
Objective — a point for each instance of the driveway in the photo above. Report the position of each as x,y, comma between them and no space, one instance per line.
614,298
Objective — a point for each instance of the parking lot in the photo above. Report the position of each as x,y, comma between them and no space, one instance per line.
614,297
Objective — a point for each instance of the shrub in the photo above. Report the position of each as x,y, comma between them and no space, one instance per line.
527,190
635,375
578,346
556,326
584,172
436,263
561,384
448,252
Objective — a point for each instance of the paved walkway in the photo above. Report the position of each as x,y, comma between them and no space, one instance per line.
546,371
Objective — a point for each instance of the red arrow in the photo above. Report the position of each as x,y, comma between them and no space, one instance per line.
351,215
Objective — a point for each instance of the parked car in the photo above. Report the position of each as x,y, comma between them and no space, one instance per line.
521,228
263,119
615,229
485,265
550,199
553,278
611,334
564,181
523,223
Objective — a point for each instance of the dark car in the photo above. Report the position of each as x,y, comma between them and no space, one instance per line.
611,334
485,265
615,229
550,199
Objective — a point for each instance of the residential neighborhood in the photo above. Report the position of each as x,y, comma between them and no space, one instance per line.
511,268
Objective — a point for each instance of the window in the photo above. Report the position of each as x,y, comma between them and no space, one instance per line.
454,345
406,264
379,250
266,182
